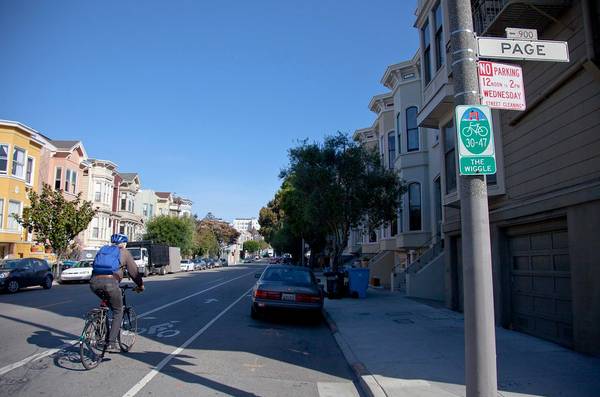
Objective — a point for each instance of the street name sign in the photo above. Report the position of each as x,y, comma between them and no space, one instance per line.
519,33
501,85
529,50
475,137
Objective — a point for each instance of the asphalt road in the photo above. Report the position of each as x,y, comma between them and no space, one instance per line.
196,338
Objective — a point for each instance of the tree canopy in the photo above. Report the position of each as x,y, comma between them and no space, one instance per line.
54,220
173,231
328,189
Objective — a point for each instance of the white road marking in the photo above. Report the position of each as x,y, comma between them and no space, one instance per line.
211,300
146,379
335,389
47,353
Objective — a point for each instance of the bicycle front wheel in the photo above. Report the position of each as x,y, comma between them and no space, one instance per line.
128,329
92,344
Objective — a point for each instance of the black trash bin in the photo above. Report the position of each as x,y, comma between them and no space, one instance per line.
335,284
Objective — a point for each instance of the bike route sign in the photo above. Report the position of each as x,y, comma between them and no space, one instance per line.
475,137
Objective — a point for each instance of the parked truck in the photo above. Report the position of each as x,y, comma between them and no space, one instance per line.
153,258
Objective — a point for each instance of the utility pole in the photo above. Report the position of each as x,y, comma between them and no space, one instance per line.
480,337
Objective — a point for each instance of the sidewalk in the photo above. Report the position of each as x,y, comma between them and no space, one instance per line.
400,347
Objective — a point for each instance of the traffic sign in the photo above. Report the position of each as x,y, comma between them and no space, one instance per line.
501,85
530,50
519,33
475,137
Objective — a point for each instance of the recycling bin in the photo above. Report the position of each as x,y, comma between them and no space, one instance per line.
358,282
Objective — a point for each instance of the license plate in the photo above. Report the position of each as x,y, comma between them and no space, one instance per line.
288,297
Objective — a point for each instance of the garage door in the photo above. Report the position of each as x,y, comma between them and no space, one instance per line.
541,283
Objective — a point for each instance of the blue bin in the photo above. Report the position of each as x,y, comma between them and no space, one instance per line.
358,282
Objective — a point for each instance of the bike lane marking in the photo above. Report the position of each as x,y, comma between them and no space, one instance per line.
47,353
146,379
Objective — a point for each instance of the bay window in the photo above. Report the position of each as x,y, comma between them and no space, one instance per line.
414,206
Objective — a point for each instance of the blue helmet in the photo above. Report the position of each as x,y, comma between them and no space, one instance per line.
118,238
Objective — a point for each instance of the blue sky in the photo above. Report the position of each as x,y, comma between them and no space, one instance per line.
200,98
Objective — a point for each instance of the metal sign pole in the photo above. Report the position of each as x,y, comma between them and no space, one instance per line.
480,344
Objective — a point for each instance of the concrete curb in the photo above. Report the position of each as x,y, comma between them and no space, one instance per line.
367,382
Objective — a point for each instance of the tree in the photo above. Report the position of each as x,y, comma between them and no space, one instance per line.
275,229
54,220
223,231
172,231
339,185
206,243
251,246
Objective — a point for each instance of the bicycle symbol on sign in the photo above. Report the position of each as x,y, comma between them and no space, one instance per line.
475,128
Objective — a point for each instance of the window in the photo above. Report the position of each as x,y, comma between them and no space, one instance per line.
73,182
151,211
67,180
58,178
381,151
391,149
123,202
426,53
440,48
437,191
95,228
491,179
401,217
3,159
412,130
14,208
394,227
97,191
29,171
449,157
372,236
414,206
145,210
398,129
18,163
1,213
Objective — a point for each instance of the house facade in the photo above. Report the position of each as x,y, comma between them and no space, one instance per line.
98,185
20,153
127,186
163,203
544,200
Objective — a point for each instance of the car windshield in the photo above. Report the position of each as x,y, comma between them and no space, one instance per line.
288,275
83,264
136,253
14,264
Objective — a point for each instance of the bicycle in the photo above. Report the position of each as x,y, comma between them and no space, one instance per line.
94,338
475,128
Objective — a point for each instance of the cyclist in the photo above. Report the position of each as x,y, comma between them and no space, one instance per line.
107,273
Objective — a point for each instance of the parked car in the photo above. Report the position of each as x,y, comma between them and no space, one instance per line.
199,264
81,271
223,262
248,260
186,265
216,262
274,260
68,263
288,288
18,273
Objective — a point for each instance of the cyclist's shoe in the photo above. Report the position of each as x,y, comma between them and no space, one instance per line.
113,347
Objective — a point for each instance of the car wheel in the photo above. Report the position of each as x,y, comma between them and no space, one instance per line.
162,271
13,286
47,284
254,313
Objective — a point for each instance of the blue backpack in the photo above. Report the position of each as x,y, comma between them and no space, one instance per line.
108,260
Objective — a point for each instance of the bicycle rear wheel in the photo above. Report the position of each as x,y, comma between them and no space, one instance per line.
92,345
128,332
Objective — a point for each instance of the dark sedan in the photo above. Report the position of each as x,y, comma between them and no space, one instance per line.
288,288
18,273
